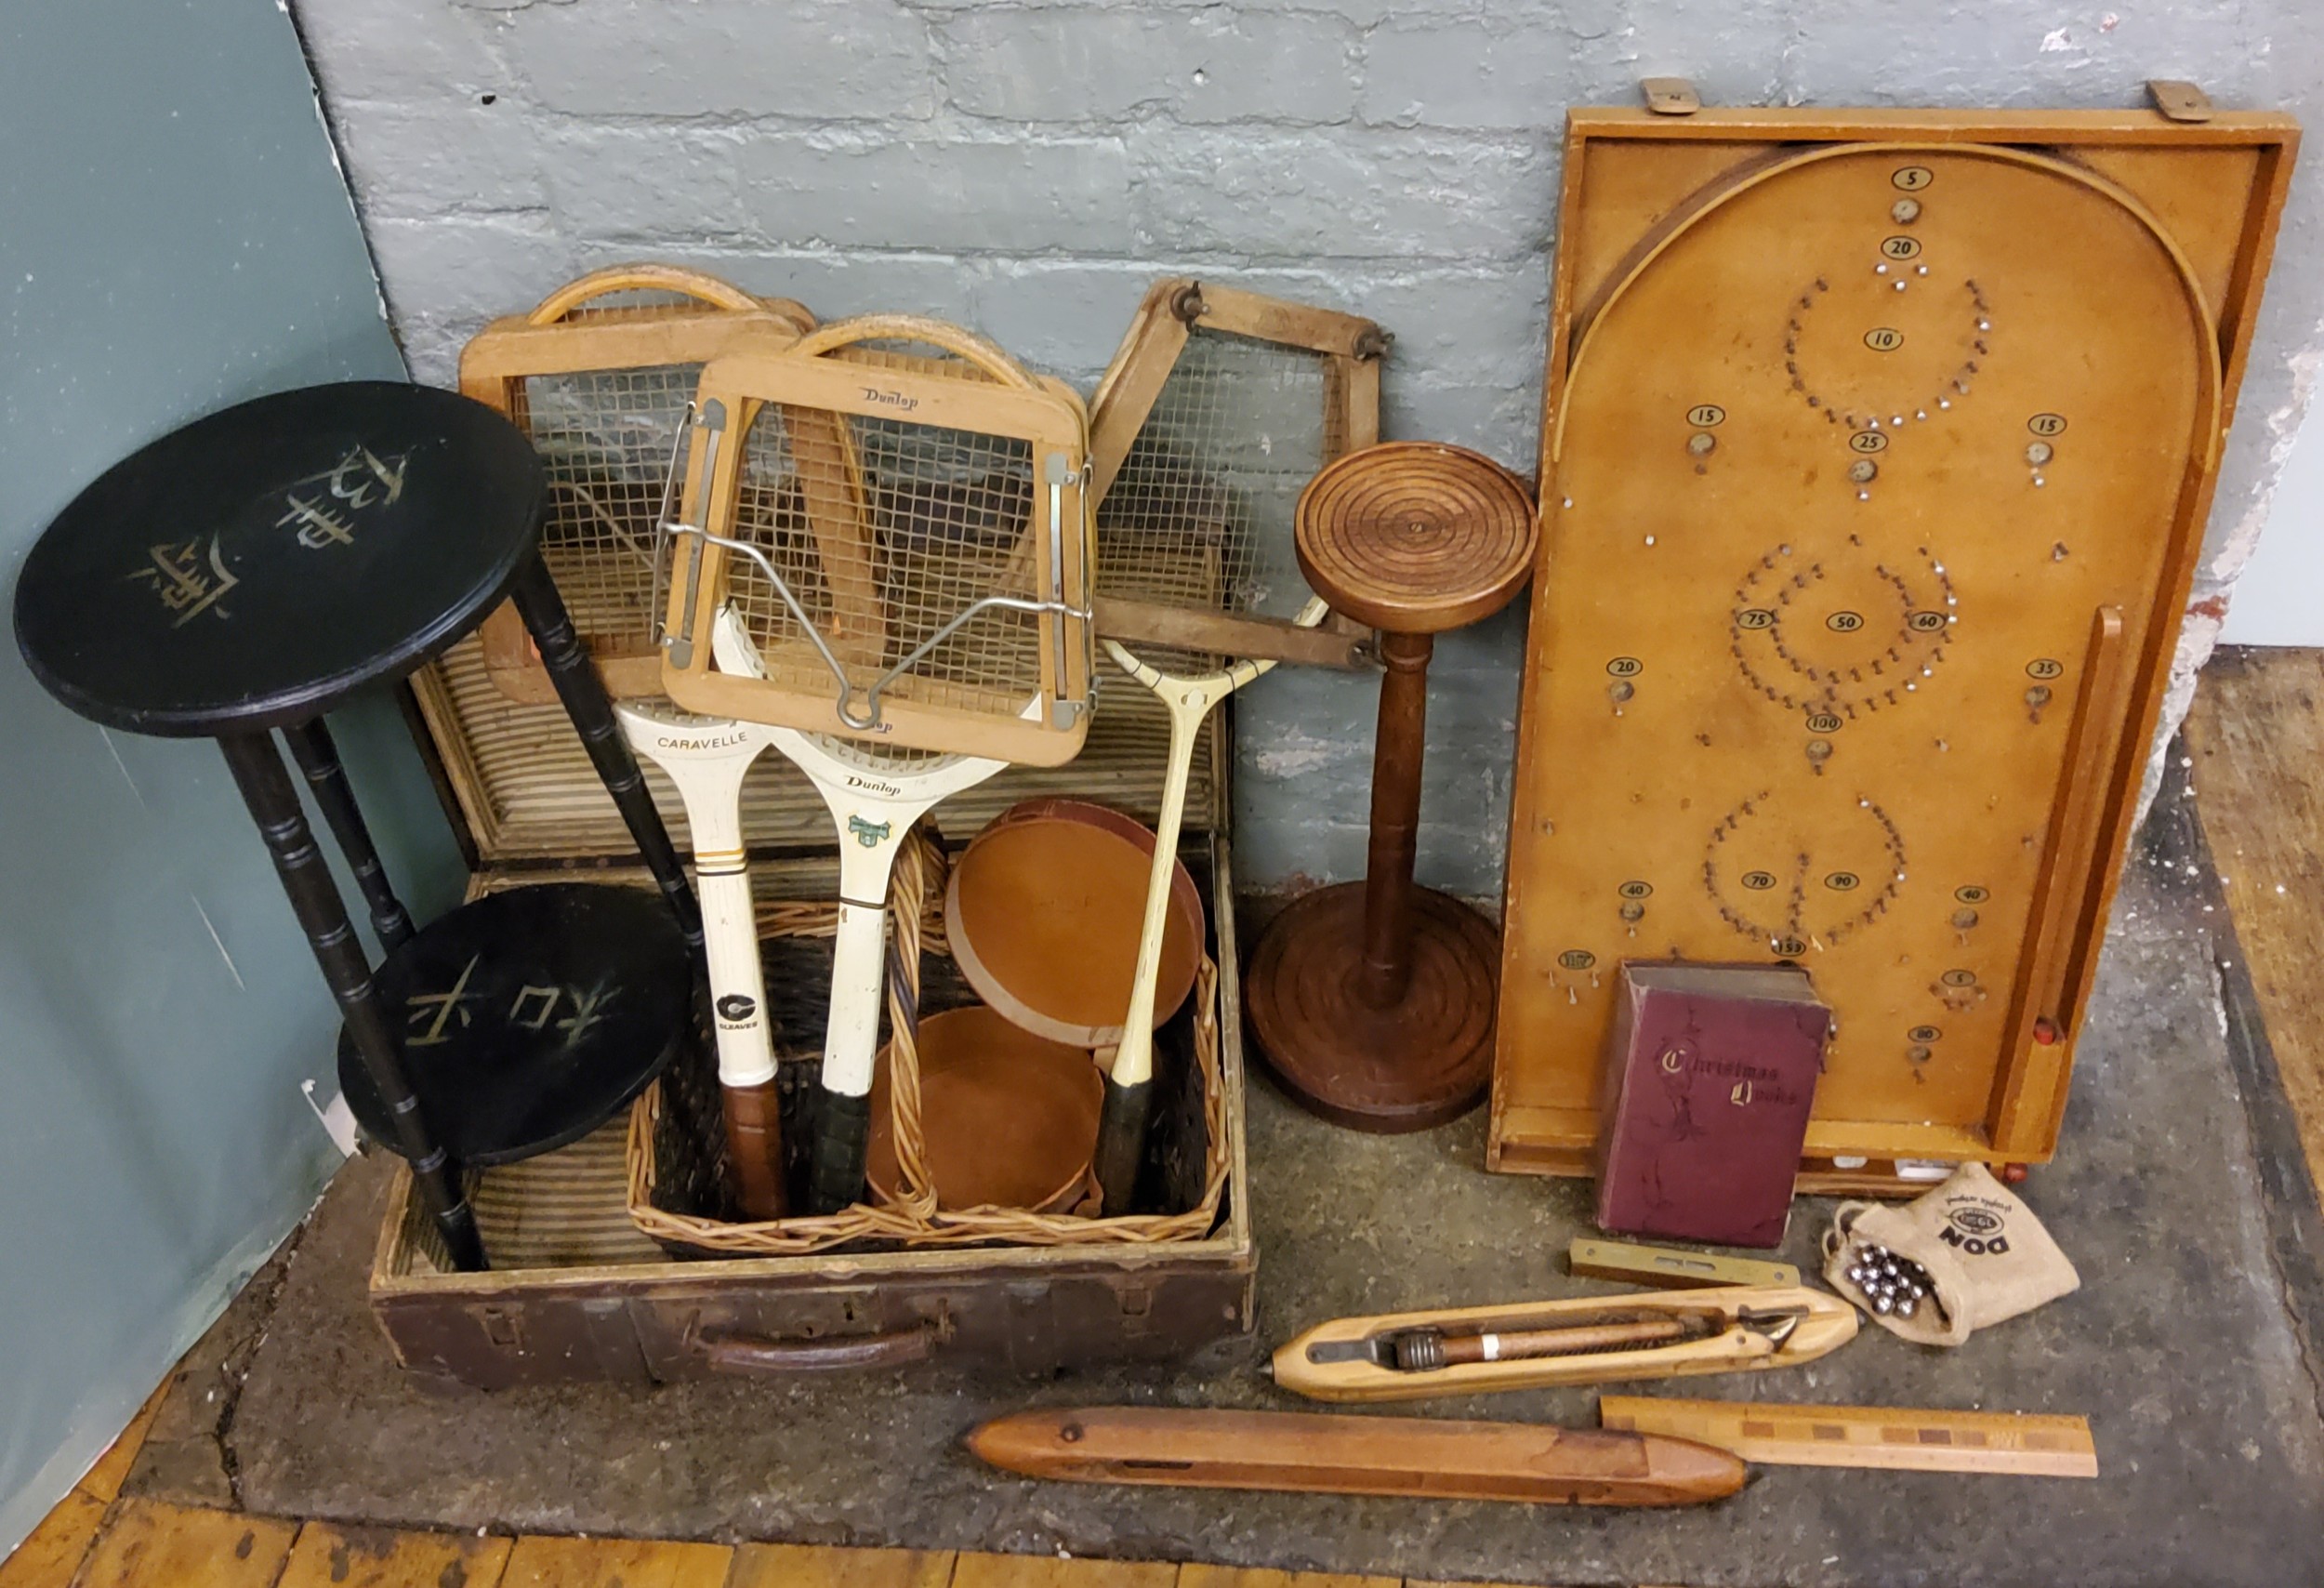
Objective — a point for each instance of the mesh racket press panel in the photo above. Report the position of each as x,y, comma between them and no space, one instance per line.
905,521
599,375
1220,408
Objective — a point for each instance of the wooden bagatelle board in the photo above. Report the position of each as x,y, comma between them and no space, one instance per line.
1876,457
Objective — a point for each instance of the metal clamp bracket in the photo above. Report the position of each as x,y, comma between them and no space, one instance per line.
2179,101
1671,95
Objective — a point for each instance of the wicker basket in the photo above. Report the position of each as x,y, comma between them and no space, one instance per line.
675,1147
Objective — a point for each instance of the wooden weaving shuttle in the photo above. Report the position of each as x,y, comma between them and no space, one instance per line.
1311,1453
1586,1340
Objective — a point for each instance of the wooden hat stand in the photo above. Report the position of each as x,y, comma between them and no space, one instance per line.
1373,1000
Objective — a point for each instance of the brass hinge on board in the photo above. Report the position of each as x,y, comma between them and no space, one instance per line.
1671,95
2178,100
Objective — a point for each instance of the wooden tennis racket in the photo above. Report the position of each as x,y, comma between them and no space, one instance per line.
1220,408
600,375
705,757
887,529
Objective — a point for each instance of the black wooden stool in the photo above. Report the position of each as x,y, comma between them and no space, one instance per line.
250,572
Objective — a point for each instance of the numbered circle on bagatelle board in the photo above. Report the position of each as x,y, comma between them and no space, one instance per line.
1842,633
1809,865
1888,339
1843,648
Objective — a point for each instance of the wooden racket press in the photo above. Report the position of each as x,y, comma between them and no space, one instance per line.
1373,1000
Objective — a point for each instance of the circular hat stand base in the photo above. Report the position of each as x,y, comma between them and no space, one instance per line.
1425,1061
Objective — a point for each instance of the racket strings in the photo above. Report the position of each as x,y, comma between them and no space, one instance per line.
1200,514
606,439
885,531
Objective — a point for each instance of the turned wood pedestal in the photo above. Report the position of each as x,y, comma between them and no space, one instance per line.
1373,1002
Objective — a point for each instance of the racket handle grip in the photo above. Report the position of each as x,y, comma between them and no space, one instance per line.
842,1133
754,1140
1122,1143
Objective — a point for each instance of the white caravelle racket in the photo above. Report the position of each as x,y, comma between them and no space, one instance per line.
706,759
874,795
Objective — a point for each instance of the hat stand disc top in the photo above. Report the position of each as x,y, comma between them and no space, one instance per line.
1373,1002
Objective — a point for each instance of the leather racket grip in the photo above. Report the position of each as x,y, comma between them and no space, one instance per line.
754,1140
1122,1143
843,1134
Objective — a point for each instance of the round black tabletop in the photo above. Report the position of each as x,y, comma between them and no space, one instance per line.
529,1018
252,569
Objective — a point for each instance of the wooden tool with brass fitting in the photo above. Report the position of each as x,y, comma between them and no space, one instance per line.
1587,1339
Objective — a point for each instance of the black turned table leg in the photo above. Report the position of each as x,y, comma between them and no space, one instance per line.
318,759
273,800
591,710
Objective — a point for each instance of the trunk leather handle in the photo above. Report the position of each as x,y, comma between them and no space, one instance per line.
748,1354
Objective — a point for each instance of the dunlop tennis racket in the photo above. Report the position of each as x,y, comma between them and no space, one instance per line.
887,528
875,794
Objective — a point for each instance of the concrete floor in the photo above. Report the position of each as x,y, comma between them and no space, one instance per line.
2182,1348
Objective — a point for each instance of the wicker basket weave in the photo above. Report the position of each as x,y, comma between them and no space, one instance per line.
680,1210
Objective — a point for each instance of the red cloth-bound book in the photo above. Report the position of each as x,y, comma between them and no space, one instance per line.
1710,1072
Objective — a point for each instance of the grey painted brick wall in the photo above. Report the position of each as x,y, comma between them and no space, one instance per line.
1028,167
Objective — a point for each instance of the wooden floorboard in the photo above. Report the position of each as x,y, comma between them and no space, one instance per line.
329,1555
146,1544
808,1566
48,1558
2256,737
1235,1577
541,1562
976,1571
104,1479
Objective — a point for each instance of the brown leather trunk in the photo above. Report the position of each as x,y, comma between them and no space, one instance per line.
578,1293
581,1296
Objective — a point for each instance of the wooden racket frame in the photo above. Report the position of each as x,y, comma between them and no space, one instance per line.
548,339
2121,699
1353,349
824,373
